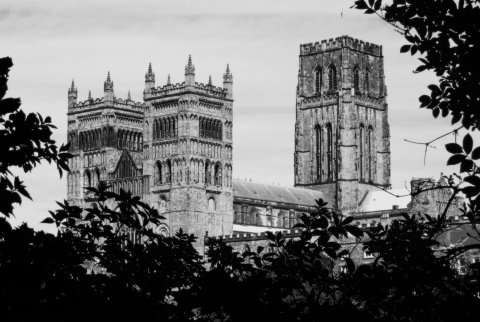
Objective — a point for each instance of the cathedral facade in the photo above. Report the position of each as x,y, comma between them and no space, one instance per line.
175,148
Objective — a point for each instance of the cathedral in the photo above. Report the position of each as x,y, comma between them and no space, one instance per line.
175,148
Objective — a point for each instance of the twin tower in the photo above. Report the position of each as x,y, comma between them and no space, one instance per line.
174,149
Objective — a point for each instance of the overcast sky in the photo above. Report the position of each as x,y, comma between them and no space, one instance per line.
52,42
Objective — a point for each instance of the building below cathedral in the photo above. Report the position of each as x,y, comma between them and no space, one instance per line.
175,148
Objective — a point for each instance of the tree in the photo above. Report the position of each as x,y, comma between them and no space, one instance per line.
446,34
25,140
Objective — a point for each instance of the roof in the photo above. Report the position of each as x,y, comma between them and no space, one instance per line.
385,200
273,193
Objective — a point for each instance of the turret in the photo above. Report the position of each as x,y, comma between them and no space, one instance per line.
149,80
189,72
72,95
108,89
228,82
210,80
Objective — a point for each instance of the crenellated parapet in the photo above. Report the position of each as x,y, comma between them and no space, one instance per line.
341,42
181,88
99,103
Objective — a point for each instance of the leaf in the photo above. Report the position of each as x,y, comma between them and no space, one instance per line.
476,153
378,4
435,112
48,220
471,191
347,220
467,143
405,48
350,265
424,100
466,165
474,180
420,68
456,159
454,148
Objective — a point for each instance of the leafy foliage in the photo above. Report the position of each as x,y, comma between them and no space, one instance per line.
446,35
25,140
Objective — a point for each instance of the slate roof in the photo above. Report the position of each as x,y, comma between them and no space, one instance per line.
273,193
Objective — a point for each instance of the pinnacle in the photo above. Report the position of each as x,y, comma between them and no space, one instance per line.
129,97
108,77
190,61
168,80
210,80
89,95
228,69
150,68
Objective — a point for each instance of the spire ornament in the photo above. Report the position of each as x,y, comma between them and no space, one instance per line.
190,72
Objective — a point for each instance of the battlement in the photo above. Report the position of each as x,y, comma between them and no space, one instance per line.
180,88
341,42
253,236
101,103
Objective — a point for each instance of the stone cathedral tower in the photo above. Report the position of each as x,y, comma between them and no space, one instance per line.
174,150
341,130
188,152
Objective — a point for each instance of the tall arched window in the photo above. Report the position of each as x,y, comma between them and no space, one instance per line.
356,79
218,174
168,171
318,79
207,172
367,81
332,78
329,151
87,180
318,145
211,204
158,172
361,147
370,154
162,205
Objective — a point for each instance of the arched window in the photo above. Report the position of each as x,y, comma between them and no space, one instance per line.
162,205
332,78
211,204
168,171
361,148
370,154
207,172
96,173
218,174
367,81
356,79
318,79
162,128
154,125
329,152
158,173
87,181
318,145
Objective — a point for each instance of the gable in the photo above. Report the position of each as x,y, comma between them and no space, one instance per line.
126,167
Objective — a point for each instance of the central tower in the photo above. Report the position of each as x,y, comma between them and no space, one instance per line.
342,140
188,152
